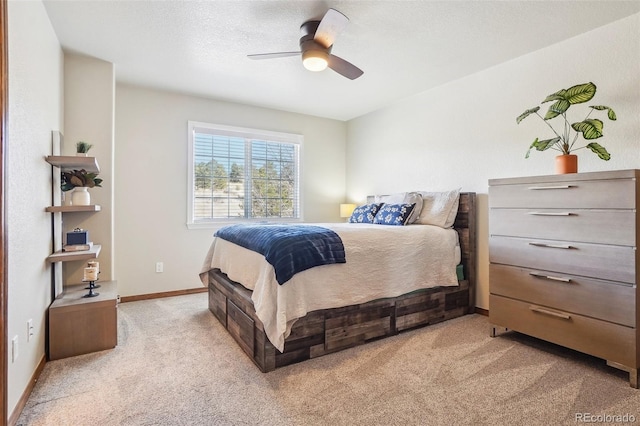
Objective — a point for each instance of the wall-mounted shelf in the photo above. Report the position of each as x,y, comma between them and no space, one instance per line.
67,256
70,162
77,324
71,209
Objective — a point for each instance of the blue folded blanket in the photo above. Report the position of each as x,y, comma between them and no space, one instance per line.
288,248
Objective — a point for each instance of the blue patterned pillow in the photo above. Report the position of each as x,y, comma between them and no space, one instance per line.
364,214
394,214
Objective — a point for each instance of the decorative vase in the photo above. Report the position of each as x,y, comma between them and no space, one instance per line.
80,196
567,163
81,154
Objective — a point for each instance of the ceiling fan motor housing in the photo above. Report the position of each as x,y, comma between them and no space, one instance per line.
307,41
312,51
309,28
316,43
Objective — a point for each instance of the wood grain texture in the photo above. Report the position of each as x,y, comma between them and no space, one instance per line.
71,209
241,327
79,325
601,338
616,227
70,162
607,262
160,295
330,330
4,249
72,256
564,260
605,300
610,190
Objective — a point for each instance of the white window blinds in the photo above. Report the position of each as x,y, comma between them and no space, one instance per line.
242,174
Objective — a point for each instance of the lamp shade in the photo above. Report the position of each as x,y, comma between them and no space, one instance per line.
346,209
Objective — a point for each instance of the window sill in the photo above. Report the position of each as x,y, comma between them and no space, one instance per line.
220,224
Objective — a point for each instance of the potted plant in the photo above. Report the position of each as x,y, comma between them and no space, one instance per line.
82,148
565,140
80,181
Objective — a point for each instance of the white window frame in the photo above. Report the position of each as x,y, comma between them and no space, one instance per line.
246,133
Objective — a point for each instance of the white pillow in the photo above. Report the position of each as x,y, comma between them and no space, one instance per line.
391,198
404,198
414,198
439,208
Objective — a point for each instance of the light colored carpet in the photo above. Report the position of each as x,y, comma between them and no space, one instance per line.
176,365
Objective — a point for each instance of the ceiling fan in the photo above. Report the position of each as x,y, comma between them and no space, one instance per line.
316,43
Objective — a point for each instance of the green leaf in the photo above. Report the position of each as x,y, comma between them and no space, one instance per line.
542,145
526,114
580,93
558,108
600,150
574,95
610,113
546,144
590,128
83,147
532,146
559,95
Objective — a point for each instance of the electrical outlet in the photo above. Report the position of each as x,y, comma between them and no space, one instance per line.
159,267
29,330
14,349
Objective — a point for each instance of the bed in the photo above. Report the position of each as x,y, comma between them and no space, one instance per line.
321,310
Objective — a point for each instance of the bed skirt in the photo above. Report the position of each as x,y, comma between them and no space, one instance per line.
330,330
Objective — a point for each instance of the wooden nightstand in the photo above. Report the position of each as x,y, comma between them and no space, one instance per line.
80,325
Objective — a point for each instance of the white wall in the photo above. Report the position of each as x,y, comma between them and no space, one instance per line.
151,180
89,90
463,133
35,99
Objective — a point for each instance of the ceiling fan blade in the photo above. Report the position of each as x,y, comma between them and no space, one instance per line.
331,25
344,68
272,55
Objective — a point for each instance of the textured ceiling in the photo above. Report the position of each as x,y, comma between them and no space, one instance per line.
404,47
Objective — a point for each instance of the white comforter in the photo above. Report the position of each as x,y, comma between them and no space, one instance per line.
382,261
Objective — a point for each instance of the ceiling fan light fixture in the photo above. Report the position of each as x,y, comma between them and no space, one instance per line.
316,44
315,60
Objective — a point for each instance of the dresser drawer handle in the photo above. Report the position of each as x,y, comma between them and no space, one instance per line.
550,313
559,246
550,277
551,213
540,188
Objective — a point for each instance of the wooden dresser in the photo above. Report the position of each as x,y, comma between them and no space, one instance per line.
564,262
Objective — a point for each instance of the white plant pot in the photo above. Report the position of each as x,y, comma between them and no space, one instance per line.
80,196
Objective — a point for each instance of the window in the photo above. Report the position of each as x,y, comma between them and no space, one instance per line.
242,174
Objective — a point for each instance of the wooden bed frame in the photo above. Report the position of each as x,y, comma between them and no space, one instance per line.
331,330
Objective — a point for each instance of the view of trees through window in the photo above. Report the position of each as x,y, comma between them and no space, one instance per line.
244,178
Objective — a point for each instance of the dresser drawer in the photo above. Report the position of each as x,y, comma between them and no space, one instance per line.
599,299
593,194
616,227
603,339
607,262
